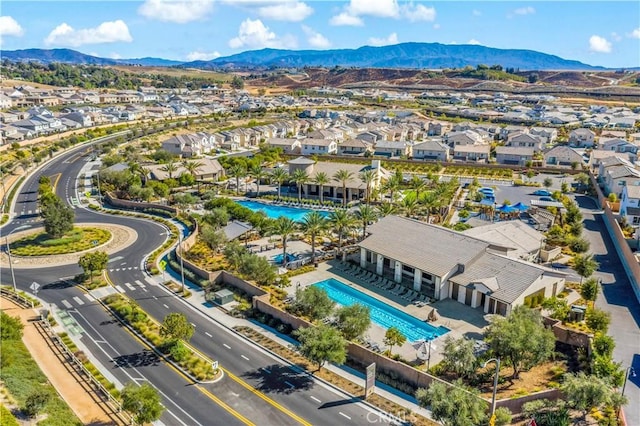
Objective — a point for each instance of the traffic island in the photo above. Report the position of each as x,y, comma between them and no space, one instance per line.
78,240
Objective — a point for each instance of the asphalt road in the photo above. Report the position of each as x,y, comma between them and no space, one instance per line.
257,388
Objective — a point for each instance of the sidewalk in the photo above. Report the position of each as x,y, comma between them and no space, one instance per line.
198,301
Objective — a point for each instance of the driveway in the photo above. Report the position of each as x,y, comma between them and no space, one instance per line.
617,298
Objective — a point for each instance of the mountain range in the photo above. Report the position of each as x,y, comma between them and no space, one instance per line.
404,55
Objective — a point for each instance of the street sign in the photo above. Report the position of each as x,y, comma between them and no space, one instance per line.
370,383
214,364
34,286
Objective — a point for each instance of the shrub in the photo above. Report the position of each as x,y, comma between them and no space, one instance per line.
35,402
179,351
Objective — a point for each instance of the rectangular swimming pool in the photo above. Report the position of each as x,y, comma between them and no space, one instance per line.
275,212
382,314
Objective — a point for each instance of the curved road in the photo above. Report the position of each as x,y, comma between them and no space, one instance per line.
257,387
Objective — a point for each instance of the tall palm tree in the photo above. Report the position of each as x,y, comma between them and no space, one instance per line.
418,185
170,168
385,209
314,224
237,171
192,168
321,179
366,214
284,227
431,201
341,222
410,206
392,185
343,176
279,176
300,177
368,177
258,173
136,169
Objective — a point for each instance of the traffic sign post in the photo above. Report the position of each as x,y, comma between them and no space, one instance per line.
34,286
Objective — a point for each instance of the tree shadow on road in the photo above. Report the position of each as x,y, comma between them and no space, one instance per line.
140,359
280,379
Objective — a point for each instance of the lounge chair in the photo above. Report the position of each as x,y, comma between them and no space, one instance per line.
398,290
409,295
388,285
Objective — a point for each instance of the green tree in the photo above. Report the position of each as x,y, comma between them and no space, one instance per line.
10,327
341,222
343,176
454,405
603,345
237,82
386,209
313,302
299,177
279,176
143,402
418,185
585,265
192,167
314,224
583,392
459,356
284,227
394,337
36,401
365,214
582,179
547,182
58,217
92,262
321,179
521,339
212,237
176,326
258,174
589,290
237,172
368,176
170,168
503,416
597,320
322,344
431,201
353,320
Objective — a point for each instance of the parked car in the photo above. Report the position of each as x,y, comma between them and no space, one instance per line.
543,192
486,191
546,199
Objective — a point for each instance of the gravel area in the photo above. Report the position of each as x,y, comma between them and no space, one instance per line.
121,237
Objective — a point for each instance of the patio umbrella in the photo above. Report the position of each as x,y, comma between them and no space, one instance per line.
521,207
506,208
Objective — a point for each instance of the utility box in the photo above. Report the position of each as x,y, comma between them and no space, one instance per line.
222,297
577,313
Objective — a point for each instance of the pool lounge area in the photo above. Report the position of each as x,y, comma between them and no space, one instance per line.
274,211
382,314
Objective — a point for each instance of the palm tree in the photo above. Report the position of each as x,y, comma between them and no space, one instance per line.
237,171
341,221
410,206
258,173
279,176
192,167
418,185
343,176
385,209
300,177
431,201
136,169
314,224
284,227
170,168
321,179
366,214
392,185
368,177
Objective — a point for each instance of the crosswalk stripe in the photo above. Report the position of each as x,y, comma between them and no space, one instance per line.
78,300
66,304
139,283
119,289
132,288
88,297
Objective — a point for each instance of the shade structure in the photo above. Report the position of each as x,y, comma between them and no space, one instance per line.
506,208
521,207
486,202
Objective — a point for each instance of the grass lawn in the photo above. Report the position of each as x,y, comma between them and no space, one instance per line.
22,376
41,244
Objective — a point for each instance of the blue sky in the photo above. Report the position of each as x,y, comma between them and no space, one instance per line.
595,32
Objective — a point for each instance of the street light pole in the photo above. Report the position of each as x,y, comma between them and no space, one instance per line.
492,419
630,371
6,241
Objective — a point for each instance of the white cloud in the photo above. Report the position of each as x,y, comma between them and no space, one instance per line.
114,55
344,19
473,41
107,32
635,33
417,13
476,12
524,11
379,8
599,44
10,27
254,34
292,11
436,26
315,39
202,56
615,36
178,11
392,39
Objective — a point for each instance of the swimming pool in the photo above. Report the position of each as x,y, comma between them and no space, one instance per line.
275,212
382,314
278,258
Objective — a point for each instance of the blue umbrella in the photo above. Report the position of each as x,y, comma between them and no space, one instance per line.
521,207
506,208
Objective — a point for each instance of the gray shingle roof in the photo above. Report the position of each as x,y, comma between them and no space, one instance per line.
420,245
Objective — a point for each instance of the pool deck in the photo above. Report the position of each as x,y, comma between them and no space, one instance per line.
460,319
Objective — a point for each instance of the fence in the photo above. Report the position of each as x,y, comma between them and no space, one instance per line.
16,297
135,205
104,393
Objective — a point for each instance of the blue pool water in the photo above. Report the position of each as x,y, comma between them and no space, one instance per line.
275,212
278,258
382,314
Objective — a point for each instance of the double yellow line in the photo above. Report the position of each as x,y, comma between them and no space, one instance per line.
226,406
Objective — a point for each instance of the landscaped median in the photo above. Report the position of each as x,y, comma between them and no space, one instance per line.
41,244
192,363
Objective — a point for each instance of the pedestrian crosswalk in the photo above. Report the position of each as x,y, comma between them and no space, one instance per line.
130,268
77,301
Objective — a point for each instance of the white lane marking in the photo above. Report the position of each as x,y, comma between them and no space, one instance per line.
226,346
138,282
144,289
66,304
123,263
78,300
194,326
165,306
235,394
115,259
120,289
289,384
130,268
155,297
208,334
266,370
344,415
315,399
244,357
